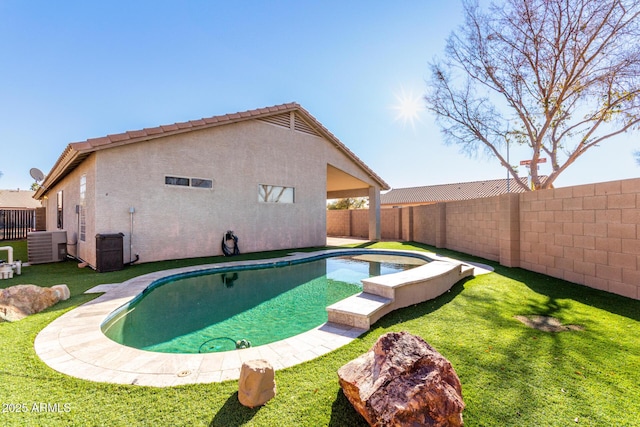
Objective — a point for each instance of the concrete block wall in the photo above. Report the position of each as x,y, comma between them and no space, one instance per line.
355,223
473,228
360,223
339,223
587,234
390,223
424,224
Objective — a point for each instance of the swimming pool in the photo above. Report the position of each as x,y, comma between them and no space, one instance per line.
219,310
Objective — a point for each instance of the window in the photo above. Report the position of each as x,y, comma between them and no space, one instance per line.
83,217
275,194
173,180
188,182
59,221
201,183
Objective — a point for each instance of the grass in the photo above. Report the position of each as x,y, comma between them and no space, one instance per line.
511,375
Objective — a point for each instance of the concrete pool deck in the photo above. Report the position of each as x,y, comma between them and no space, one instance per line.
74,344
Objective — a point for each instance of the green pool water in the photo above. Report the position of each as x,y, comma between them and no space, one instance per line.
213,312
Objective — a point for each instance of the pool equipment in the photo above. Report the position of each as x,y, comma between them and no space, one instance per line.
7,268
209,345
232,248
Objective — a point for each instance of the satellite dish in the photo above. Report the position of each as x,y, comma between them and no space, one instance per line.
36,174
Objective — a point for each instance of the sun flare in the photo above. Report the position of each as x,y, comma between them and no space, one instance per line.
408,107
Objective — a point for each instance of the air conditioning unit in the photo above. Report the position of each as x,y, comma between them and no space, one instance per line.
46,246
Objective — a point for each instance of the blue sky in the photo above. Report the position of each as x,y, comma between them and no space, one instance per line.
74,70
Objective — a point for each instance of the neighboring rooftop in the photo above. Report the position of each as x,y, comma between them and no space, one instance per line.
18,199
449,192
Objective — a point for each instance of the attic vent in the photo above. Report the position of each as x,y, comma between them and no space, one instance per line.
278,120
301,126
284,120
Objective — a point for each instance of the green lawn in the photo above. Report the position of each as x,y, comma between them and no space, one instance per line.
511,375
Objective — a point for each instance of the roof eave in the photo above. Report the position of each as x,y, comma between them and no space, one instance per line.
65,164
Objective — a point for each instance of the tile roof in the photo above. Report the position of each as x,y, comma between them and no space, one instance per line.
451,192
76,152
18,199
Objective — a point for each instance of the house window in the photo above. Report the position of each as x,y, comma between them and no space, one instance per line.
59,221
275,194
201,183
82,213
188,182
174,180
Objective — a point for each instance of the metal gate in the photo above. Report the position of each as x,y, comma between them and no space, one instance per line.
16,223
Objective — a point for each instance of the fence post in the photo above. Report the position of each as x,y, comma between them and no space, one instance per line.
441,225
406,233
509,229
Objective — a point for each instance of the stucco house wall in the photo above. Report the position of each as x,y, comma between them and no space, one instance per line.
70,188
126,190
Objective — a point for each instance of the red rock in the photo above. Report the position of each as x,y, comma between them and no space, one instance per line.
403,381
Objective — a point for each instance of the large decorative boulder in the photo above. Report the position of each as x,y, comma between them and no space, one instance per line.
257,384
17,302
403,381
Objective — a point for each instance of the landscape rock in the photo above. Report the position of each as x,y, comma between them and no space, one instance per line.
403,381
18,302
257,384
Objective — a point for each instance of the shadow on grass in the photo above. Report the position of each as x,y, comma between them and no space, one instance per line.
421,309
4,374
557,289
554,288
343,413
233,413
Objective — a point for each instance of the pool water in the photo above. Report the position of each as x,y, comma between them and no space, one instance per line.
227,310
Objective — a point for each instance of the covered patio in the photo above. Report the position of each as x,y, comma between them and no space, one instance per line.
342,185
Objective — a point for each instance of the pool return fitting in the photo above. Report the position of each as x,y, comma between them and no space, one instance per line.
7,268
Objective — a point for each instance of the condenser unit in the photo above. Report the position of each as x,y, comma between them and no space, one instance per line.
46,246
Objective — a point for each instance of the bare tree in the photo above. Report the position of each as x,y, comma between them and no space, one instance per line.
349,203
559,76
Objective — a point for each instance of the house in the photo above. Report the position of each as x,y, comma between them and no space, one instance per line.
430,194
173,191
18,200
18,213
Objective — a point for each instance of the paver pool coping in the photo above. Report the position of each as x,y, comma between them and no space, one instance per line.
74,344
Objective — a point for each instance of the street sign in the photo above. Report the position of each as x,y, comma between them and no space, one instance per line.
528,162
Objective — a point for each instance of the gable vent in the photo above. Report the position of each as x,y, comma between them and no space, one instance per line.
284,120
301,126
278,120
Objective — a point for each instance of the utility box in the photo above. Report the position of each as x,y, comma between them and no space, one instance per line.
109,252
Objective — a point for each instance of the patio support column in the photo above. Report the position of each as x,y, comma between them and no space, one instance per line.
374,213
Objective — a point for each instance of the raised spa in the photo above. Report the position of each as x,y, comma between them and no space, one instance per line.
219,310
